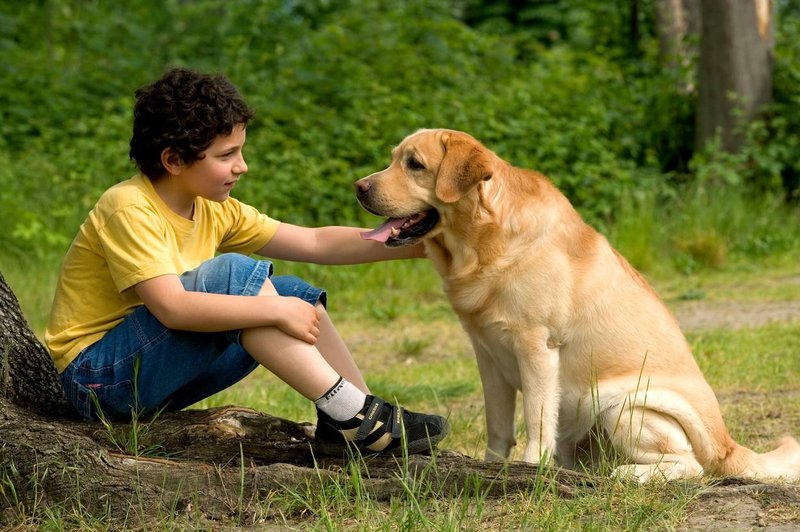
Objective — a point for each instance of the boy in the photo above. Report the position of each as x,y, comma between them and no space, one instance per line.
147,316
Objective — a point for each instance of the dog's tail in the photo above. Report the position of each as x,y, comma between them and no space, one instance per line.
694,407
719,454
782,463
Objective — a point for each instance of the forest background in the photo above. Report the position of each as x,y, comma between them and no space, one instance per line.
576,90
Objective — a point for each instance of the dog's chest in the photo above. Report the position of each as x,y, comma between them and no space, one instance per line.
470,297
514,298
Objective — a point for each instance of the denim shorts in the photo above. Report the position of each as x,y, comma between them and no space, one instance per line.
140,366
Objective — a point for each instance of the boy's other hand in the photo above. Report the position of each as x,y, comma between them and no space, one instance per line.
298,318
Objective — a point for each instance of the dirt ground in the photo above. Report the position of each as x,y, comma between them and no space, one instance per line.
695,315
736,505
739,505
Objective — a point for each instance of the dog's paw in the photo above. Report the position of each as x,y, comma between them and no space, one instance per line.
499,450
661,472
494,456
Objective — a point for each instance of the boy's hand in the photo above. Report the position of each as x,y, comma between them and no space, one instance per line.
298,318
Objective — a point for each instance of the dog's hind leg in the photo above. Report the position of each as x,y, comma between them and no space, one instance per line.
654,443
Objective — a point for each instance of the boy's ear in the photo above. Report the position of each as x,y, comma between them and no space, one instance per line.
171,161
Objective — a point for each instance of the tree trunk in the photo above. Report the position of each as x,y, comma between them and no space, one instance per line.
220,461
27,375
671,29
735,71
677,26
677,22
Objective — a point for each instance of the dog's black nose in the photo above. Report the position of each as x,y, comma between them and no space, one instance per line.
362,186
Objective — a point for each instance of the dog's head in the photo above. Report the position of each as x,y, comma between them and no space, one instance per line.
431,171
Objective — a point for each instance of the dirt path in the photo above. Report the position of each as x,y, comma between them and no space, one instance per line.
695,315
736,505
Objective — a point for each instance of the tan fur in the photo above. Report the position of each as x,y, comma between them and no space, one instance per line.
555,312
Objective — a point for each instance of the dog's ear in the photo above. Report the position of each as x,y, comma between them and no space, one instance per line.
465,164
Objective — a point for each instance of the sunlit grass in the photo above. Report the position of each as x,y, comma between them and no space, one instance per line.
761,359
771,279
33,282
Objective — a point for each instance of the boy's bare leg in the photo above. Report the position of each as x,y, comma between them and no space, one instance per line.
297,363
333,348
310,369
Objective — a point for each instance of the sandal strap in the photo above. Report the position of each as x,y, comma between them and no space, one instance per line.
396,422
371,418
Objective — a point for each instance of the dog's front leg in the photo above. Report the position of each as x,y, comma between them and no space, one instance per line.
539,376
500,400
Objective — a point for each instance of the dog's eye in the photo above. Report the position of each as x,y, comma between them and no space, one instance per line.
414,164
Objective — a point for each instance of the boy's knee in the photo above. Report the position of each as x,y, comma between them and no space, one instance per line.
229,273
291,285
267,289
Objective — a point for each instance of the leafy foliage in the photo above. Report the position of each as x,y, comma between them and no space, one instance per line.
337,84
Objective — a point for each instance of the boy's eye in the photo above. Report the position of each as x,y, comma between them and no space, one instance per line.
413,164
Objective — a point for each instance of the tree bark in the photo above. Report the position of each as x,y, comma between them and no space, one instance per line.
677,26
735,70
671,29
677,21
27,375
220,461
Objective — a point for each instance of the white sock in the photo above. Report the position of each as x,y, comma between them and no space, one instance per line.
343,401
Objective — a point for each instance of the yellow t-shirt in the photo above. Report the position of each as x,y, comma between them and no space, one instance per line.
131,236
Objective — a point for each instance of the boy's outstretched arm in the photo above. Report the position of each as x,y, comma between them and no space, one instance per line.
332,245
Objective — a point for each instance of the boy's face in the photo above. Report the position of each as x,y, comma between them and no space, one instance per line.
214,176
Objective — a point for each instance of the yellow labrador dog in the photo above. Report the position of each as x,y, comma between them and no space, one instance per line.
555,312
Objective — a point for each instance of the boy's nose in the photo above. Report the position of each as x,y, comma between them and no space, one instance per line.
241,167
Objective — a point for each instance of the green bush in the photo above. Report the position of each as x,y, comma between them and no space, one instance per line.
335,86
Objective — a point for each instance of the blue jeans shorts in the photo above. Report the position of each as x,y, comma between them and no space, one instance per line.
141,366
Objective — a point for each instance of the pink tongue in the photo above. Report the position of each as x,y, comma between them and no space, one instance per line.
382,233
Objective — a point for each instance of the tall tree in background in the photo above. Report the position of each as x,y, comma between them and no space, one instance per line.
735,70
677,24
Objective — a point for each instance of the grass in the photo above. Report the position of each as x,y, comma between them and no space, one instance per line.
412,349
343,506
33,281
765,358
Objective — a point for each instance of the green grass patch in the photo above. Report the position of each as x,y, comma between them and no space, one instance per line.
759,359
33,281
343,505
772,279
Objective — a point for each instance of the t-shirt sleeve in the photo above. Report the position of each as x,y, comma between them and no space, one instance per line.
247,229
135,245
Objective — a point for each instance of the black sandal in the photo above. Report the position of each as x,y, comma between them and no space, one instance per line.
380,427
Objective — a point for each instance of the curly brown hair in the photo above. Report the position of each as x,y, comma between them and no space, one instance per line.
184,110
